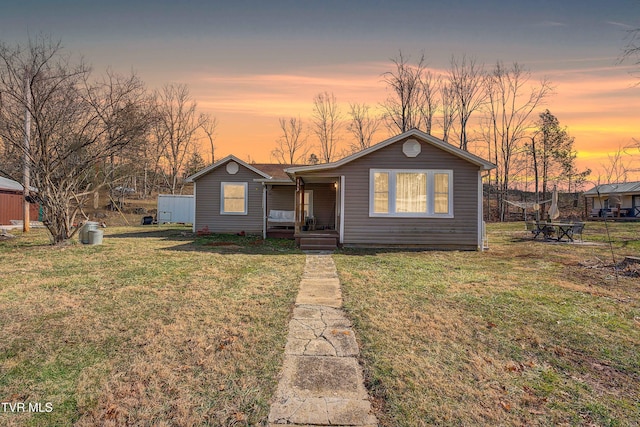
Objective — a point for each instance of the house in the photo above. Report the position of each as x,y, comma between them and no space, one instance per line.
614,200
409,190
11,202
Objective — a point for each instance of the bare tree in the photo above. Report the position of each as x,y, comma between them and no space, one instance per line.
511,101
466,80
327,124
403,106
291,146
177,123
362,126
632,49
209,126
75,124
429,100
617,170
447,98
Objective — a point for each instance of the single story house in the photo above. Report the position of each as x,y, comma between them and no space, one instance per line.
614,200
410,190
11,202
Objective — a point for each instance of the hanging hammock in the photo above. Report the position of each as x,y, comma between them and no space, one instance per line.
528,205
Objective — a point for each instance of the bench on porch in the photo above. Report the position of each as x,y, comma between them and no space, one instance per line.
279,218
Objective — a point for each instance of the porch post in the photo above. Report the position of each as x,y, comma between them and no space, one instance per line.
264,210
299,208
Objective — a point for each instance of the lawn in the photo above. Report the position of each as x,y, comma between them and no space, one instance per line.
526,333
156,327
151,328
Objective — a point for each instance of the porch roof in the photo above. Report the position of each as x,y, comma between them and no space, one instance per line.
620,188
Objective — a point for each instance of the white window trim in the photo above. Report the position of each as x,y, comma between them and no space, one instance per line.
430,213
246,198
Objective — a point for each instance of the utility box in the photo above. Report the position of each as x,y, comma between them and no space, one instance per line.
87,228
176,209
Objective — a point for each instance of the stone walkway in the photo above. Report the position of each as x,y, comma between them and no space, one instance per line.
321,382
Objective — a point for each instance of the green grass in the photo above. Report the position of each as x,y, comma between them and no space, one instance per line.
527,333
156,327
151,328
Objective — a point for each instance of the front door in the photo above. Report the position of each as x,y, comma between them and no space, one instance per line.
635,205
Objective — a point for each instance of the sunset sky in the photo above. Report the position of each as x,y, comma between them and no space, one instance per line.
250,62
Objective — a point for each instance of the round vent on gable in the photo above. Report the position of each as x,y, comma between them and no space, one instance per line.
232,168
411,148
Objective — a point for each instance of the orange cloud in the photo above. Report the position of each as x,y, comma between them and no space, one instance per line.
600,106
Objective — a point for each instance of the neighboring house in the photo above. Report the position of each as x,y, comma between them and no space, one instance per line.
410,190
11,202
614,200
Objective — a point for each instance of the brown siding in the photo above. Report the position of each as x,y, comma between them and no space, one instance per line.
281,197
208,202
458,232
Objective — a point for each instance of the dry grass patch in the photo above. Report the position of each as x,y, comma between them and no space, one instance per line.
151,328
524,334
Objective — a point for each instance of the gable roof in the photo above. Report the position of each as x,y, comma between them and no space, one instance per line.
424,137
274,170
219,163
604,189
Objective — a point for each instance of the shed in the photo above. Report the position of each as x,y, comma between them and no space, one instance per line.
175,209
11,199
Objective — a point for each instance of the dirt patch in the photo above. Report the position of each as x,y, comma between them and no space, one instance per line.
231,244
628,267
600,375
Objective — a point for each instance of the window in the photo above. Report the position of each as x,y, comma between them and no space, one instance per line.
233,198
411,193
381,192
308,203
441,193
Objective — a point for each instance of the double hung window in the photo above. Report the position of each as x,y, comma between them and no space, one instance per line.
233,198
411,193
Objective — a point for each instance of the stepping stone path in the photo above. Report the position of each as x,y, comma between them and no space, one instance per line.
321,382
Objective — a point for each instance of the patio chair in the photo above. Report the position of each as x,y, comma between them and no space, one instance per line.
533,228
547,230
577,228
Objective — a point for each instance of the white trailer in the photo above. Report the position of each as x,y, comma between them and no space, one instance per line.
176,209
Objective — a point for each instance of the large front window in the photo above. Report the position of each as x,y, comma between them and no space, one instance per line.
411,193
233,198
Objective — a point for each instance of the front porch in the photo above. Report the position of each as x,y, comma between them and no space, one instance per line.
317,213
314,204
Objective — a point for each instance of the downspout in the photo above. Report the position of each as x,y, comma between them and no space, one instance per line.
481,223
341,235
195,201
264,211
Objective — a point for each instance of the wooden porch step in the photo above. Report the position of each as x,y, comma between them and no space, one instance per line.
318,243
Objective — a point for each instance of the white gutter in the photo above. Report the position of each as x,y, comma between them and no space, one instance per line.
195,200
481,224
341,209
